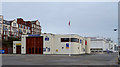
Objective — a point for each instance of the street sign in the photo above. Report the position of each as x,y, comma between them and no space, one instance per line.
67,45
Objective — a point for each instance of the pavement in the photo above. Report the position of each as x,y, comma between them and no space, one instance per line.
31,59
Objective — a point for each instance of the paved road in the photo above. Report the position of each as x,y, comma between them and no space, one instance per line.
99,59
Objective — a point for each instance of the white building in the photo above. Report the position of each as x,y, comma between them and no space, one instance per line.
102,45
54,44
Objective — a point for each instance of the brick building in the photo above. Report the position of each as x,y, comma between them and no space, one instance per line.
1,22
17,28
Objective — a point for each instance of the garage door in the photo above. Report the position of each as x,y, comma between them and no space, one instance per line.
34,45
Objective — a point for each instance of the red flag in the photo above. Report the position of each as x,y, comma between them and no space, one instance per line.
69,23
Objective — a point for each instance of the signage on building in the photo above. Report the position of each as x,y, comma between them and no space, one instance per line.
67,45
48,49
34,35
44,49
2,51
56,50
80,41
46,38
18,43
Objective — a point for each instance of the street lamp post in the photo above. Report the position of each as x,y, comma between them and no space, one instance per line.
118,43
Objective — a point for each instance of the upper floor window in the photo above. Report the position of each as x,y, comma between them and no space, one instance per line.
25,27
64,39
24,31
0,25
22,26
4,33
14,24
4,37
32,25
19,26
20,31
69,40
28,28
0,19
74,40
9,28
3,22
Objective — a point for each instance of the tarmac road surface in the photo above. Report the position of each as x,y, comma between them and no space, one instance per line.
97,59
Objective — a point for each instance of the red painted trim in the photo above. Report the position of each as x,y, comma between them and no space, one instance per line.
85,42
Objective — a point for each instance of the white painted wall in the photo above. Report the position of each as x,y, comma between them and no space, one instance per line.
14,46
97,44
47,44
87,47
73,46
15,23
23,42
55,43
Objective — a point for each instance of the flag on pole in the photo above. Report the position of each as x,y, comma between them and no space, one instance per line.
69,23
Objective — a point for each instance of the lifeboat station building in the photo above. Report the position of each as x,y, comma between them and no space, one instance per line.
47,43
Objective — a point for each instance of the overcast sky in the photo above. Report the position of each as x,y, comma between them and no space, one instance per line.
87,18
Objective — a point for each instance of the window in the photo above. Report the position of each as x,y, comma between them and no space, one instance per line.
32,25
9,28
14,24
3,22
0,19
22,26
20,31
19,26
67,40
4,28
74,40
24,31
25,27
4,37
28,28
0,25
64,39
4,32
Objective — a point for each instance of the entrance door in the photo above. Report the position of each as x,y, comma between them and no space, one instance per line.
18,49
34,45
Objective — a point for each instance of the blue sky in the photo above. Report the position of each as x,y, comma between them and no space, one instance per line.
87,18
